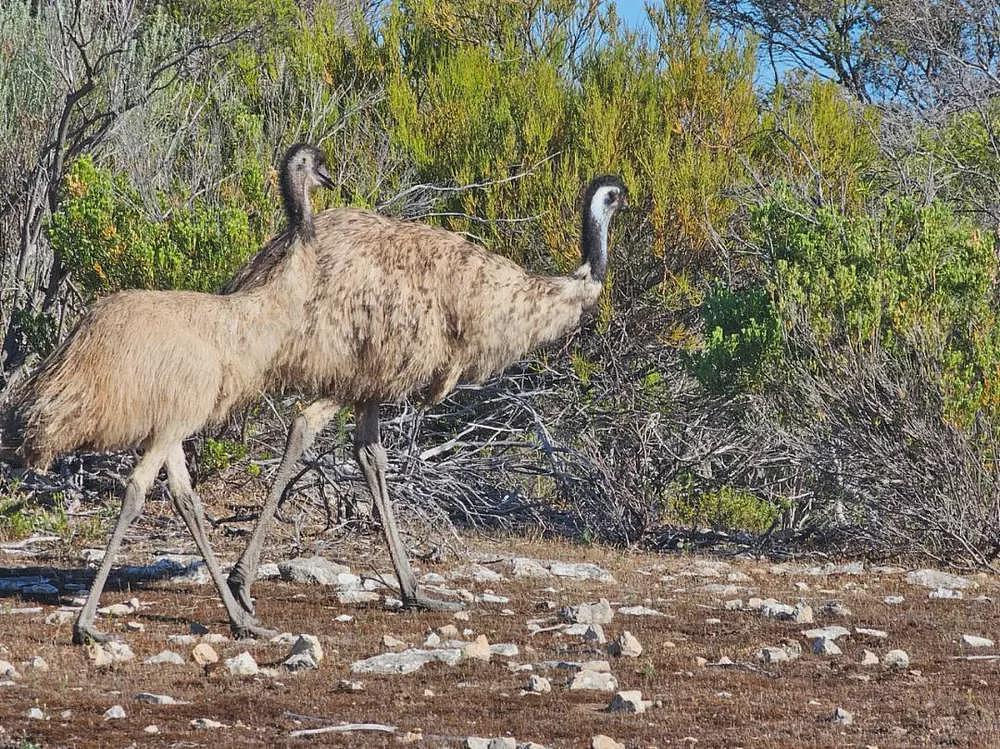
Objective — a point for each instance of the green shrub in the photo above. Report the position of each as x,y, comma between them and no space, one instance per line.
220,454
727,508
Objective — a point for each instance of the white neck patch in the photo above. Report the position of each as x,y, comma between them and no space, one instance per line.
599,209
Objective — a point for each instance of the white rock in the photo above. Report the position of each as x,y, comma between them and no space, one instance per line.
406,661
151,729
242,665
392,642
842,717
206,723
929,578
830,633
61,616
352,597
771,655
897,659
498,742
308,644
588,613
539,684
628,702
525,567
204,654
505,650
977,641
580,571
7,671
35,663
35,713
946,594
639,611
158,699
313,570
343,618
600,741
595,634
165,657
115,712
108,653
869,658
478,650
346,685
878,634
825,646
835,609
604,682
115,609
893,600
626,646
773,609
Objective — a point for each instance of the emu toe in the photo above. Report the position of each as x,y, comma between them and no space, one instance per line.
252,629
83,634
241,591
426,603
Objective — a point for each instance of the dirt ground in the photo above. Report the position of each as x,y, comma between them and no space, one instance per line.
942,699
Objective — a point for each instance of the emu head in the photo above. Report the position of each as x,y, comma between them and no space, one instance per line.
302,171
602,198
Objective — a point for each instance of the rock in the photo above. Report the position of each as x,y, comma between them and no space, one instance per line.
461,616
478,650
505,650
639,611
109,653
61,616
929,578
835,610
539,684
877,634
492,598
474,742
309,645
346,685
525,567
625,646
976,641
581,571
7,671
35,713
830,633
151,729
449,632
133,626
772,655
206,723
842,717
722,590
893,600
268,571
476,572
182,640
628,702
392,642
594,634
946,594
897,659
204,654
825,646
773,609
713,621
115,712
588,613
158,699
315,571
600,741
353,597
433,640
35,663
115,609
603,682
733,604
165,657
242,665
406,661
343,618
869,658
300,662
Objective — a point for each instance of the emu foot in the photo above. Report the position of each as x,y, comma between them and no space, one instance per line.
426,603
252,629
86,633
240,589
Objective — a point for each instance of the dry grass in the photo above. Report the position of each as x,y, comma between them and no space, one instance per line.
939,702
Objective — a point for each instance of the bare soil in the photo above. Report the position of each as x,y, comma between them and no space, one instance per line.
940,700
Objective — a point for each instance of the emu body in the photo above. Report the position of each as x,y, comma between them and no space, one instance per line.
399,309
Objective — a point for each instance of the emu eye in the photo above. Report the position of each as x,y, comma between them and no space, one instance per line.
612,197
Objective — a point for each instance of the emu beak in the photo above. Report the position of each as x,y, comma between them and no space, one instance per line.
325,179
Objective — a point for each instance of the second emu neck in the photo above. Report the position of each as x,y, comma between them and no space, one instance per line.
594,246
298,209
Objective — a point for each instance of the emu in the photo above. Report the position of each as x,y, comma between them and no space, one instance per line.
400,309
148,369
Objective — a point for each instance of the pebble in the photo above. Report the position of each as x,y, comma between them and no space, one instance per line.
158,699
588,613
346,685
825,646
829,633
35,663
539,684
878,634
869,658
163,657
206,723
35,713
625,646
628,702
151,729
893,600
478,650
242,665
604,742
946,594
597,680
977,641
115,712
897,659
842,717
639,611
7,671
498,742
204,654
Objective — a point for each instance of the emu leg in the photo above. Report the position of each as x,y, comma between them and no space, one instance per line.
304,429
135,496
370,454
188,505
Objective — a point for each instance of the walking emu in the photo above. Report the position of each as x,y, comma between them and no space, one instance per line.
150,368
400,309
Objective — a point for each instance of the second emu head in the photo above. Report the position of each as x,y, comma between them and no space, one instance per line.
603,197
302,170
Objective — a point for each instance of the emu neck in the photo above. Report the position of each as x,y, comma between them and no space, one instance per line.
298,209
594,246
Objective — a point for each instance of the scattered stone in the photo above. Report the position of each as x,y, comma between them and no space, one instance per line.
115,609
35,713
61,616
343,618
842,717
772,655
625,646
158,699
539,684
628,702
835,610
308,645
929,578
869,658
204,654
462,616
182,640
317,571
478,650
897,659
109,653
165,657
639,611
474,742
206,723
878,634
588,613
773,609
449,632
346,685
7,671
580,571
893,600
242,665
713,621
406,661
505,650
946,594
432,641
133,626
586,679
115,712
151,729
830,633
35,663
604,742
525,567
825,646
595,634
733,604
976,641
354,597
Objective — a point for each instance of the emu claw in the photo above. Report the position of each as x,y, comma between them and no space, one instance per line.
426,603
241,591
252,629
